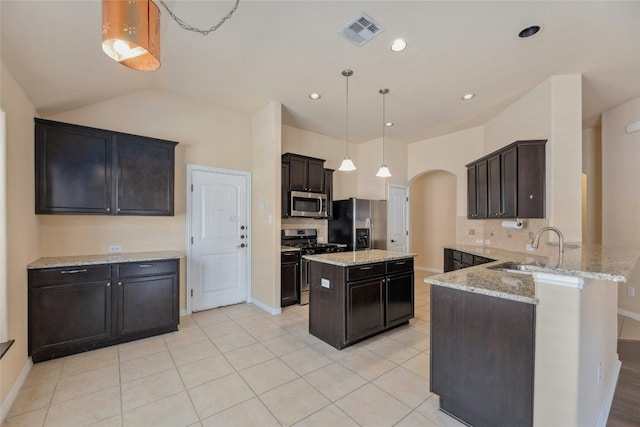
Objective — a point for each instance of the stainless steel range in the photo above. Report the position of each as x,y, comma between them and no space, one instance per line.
307,240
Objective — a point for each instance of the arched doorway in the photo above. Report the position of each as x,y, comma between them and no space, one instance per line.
433,218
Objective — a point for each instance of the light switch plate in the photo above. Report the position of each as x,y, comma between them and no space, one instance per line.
115,249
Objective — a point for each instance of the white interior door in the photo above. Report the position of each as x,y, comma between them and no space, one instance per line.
398,221
218,267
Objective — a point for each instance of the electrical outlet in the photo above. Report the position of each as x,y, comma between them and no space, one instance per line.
487,242
529,247
631,292
479,241
115,249
325,283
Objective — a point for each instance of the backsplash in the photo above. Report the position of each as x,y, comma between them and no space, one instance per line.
504,238
298,222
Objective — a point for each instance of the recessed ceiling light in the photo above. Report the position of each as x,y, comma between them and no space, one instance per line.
398,45
529,31
388,124
315,95
468,96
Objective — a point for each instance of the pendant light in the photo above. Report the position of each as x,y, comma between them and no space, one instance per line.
347,165
131,33
383,172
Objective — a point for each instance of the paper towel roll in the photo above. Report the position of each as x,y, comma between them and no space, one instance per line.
513,224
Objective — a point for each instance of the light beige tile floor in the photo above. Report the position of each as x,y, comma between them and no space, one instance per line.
240,366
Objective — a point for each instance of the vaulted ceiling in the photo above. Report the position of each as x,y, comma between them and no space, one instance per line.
284,50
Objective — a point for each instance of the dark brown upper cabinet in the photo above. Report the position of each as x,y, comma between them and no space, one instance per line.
82,170
305,173
508,183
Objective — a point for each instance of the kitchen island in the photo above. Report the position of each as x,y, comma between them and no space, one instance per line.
535,347
359,294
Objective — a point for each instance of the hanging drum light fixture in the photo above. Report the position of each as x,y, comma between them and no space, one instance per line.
131,33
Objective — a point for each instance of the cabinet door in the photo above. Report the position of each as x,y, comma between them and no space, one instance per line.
481,189
315,178
472,194
68,315
285,190
494,188
399,299
289,283
298,174
147,303
145,176
509,181
365,308
73,169
531,180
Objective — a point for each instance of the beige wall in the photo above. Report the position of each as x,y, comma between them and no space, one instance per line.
433,218
592,169
265,207
23,228
620,190
620,176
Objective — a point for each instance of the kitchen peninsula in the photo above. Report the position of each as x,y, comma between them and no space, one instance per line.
355,295
535,346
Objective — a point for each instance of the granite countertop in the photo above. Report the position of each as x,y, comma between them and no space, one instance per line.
69,261
348,259
588,262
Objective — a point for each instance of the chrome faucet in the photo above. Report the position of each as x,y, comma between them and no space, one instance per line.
536,242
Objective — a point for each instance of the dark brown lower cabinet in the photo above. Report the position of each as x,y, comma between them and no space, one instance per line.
79,308
289,278
365,308
349,304
482,357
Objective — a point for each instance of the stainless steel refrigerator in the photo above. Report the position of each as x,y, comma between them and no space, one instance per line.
359,223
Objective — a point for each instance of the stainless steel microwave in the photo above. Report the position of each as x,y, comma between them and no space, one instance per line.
310,205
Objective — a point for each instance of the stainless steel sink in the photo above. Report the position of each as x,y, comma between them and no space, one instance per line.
511,267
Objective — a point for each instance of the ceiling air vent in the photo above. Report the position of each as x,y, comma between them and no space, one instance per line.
361,30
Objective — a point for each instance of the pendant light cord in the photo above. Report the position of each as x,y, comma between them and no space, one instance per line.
188,27
384,93
347,124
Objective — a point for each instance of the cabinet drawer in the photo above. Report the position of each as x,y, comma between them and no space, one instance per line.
467,258
287,257
148,268
399,266
365,271
67,275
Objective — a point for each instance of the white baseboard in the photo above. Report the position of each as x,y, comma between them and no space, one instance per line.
603,416
13,393
630,314
265,307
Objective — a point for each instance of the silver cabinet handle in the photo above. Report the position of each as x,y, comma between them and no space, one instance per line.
366,268
146,265
84,270
119,283
401,262
108,284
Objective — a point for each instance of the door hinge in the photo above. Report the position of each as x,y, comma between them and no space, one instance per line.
192,188
407,232
407,197
191,293
192,240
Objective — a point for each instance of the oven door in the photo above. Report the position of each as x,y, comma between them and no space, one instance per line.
310,205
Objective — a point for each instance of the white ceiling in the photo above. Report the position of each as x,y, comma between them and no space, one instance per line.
284,50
